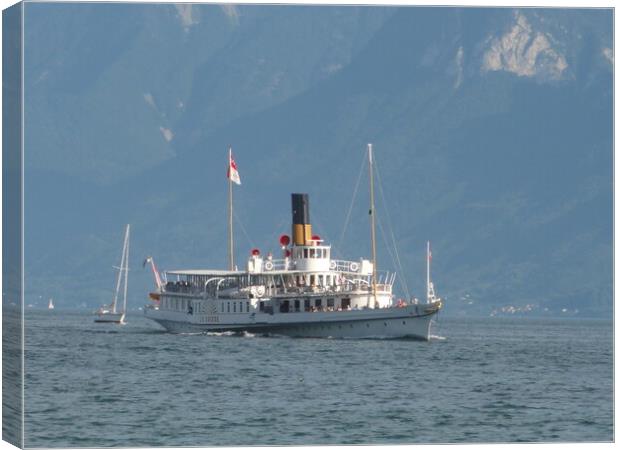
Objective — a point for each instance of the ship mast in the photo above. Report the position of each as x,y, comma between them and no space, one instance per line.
372,225
126,268
120,271
430,293
231,260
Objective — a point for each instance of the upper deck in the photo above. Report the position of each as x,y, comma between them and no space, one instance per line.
274,278
305,268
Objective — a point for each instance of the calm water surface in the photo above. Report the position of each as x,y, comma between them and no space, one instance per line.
479,380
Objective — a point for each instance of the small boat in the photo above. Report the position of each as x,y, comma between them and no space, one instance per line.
50,305
109,313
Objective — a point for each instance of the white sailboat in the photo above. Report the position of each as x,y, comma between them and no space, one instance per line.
50,305
109,313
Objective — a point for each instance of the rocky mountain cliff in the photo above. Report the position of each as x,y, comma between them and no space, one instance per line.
492,131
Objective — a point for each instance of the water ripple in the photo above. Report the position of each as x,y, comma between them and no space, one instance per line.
487,380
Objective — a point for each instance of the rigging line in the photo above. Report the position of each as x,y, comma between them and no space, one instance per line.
387,247
278,229
398,263
391,229
321,230
247,236
348,216
385,241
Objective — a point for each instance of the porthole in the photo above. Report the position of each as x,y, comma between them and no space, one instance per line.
367,325
385,324
404,323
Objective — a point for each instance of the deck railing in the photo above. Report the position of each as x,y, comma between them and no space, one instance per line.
337,265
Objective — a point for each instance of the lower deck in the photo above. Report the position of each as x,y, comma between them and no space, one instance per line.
404,321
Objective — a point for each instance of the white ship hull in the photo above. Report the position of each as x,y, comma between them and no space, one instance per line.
412,321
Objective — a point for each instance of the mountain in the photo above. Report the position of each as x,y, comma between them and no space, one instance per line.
492,131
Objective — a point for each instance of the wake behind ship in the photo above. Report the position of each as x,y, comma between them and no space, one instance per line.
306,293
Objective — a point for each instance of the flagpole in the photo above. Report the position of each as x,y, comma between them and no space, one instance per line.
231,260
428,271
372,225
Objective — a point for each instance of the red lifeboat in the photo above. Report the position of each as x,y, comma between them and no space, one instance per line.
285,240
316,237
255,252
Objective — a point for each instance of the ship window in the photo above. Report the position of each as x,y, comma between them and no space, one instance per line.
312,280
296,305
318,302
320,280
222,307
261,306
234,306
305,252
307,304
330,302
228,306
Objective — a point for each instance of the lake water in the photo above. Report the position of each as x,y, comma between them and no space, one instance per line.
478,380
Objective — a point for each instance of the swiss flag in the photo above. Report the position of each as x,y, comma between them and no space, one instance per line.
233,173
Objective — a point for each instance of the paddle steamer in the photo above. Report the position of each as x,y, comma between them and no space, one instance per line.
305,293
